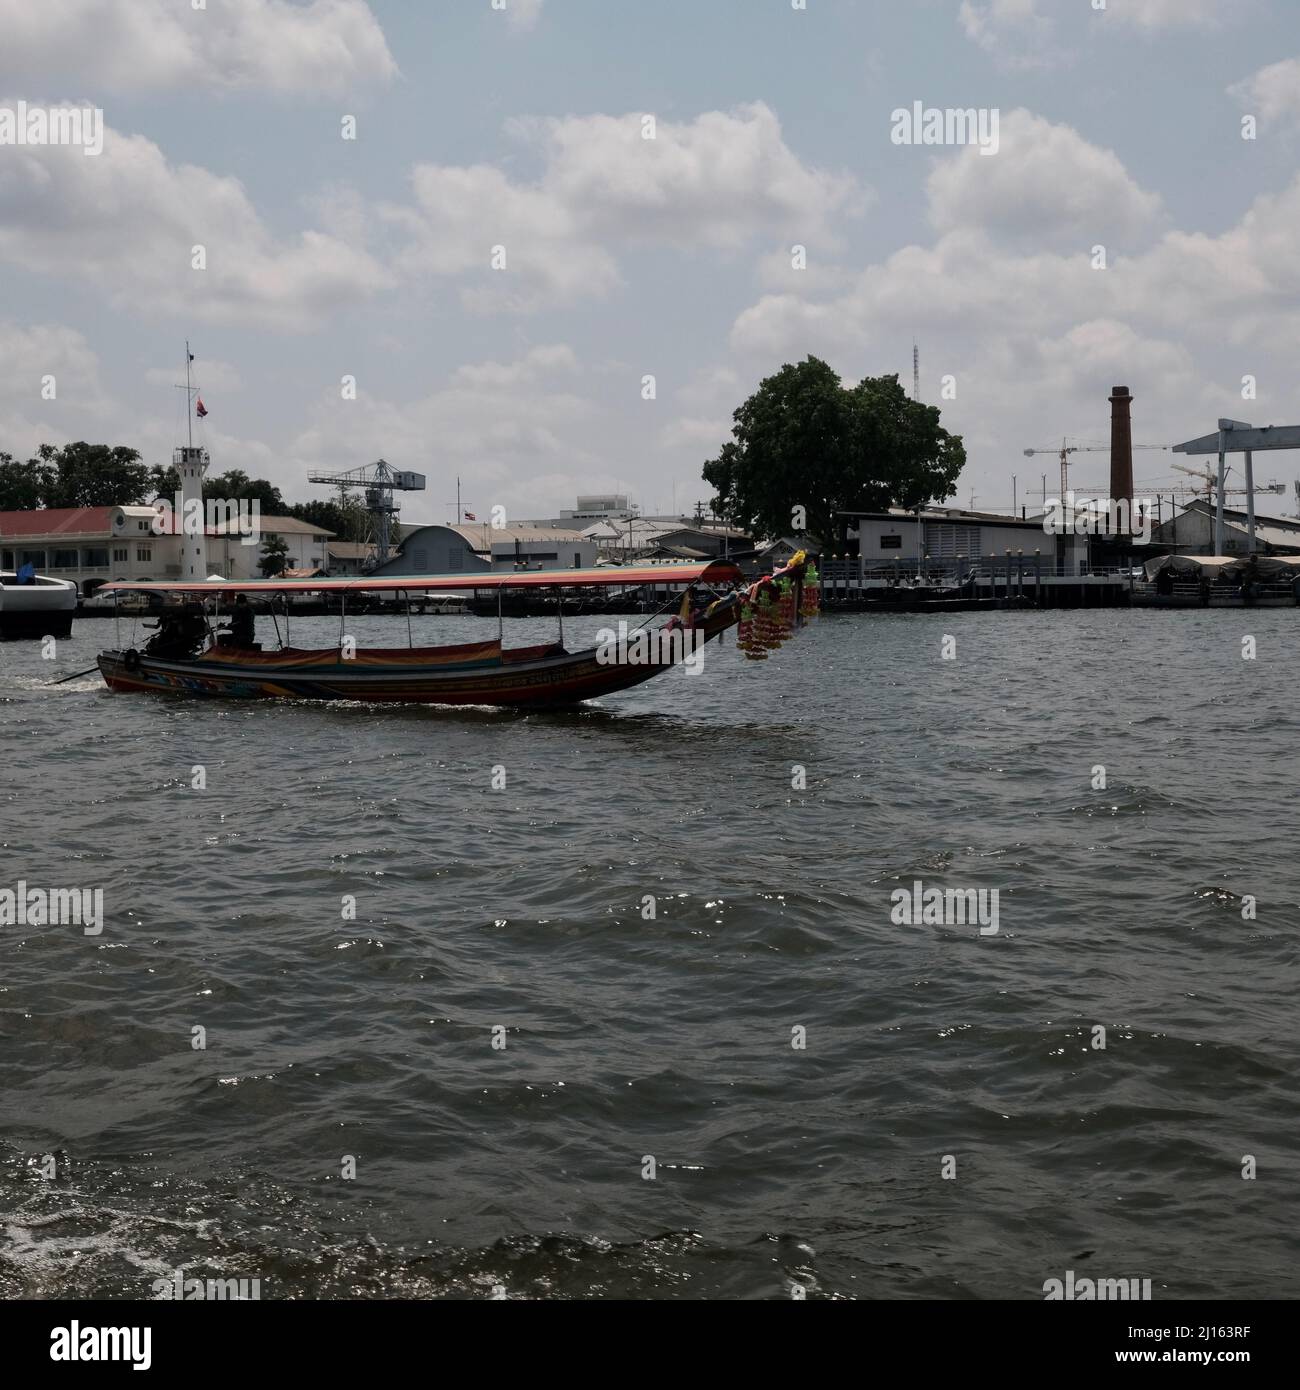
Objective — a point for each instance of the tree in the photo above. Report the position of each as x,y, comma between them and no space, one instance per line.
804,440
94,475
235,484
232,486
349,521
274,549
23,485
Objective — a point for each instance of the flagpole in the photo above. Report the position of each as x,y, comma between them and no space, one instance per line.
189,399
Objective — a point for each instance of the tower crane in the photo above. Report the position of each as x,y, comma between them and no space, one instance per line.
379,481
1067,449
1211,482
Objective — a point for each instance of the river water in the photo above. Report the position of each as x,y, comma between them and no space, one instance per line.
769,811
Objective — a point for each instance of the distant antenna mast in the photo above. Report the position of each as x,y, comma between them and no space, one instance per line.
916,371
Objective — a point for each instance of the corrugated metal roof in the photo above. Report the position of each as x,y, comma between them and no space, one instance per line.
482,536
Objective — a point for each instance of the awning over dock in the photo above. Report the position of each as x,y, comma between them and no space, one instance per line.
1230,566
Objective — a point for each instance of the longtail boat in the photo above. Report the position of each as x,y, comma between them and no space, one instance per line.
201,662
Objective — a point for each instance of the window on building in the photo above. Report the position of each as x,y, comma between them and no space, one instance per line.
120,553
455,558
144,554
6,559
95,557
31,557
891,542
64,560
577,560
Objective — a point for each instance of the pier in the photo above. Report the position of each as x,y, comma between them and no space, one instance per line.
1016,581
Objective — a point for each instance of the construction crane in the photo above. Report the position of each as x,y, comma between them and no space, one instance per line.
1211,482
1067,449
379,481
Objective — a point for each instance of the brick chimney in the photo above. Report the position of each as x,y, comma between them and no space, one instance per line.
1121,445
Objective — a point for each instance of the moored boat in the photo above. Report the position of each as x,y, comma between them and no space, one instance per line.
35,606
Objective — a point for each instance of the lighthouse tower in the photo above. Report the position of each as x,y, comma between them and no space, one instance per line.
191,464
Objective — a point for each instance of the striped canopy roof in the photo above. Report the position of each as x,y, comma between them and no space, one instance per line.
611,576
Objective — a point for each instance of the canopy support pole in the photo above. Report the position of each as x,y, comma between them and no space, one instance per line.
1250,502
410,641
559,608
276,623
1218,504
343,616
501,637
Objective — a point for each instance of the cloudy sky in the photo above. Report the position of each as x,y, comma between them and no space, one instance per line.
520,123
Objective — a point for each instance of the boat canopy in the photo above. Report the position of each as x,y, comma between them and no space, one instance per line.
1212,566
611,576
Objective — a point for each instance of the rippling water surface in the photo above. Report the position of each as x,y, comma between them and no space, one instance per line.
482,1170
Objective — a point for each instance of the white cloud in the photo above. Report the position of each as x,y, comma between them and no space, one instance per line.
1047,187
1171,14
322,46
1012,31
1035,338
717,182
507,426
1273,92
523,14
126,221
212,376
30,352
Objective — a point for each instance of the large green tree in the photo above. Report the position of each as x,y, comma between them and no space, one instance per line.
231,486
95,475
23,486
805,440
76,475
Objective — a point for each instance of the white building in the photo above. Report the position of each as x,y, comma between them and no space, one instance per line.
951,538
90,545
230,557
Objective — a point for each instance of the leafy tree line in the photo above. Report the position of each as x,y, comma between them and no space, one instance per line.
102,475
805,446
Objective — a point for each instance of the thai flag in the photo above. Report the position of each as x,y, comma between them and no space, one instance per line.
200,409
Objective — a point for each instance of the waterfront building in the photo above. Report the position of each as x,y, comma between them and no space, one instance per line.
307,547
1191,532
483,549
950,537
91,545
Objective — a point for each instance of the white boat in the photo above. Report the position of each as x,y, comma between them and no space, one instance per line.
35,608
